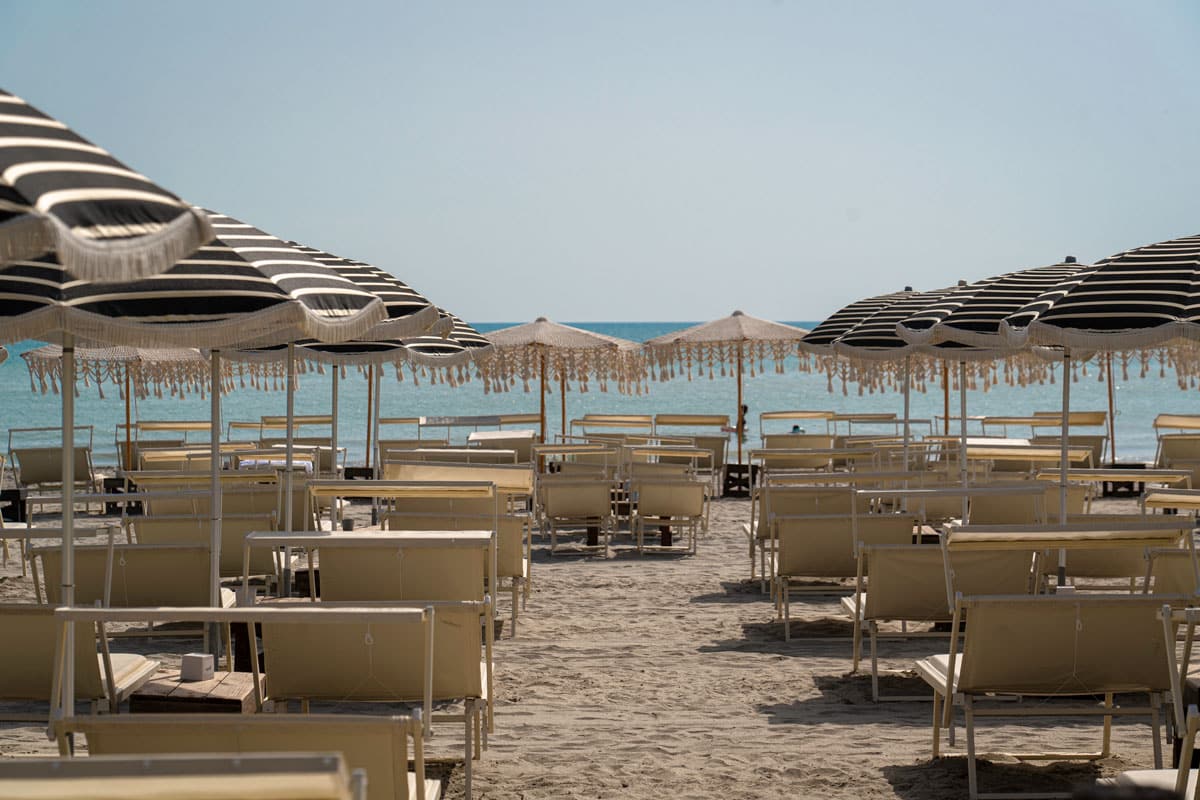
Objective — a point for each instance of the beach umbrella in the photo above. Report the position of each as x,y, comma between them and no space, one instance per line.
729,341
1143,301
60,193
568,353
243,284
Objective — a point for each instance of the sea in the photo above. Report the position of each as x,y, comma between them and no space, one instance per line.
23,405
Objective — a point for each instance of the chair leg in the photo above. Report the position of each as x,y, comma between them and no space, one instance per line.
1156,726
937,723
972,777
1106,745
874,662
515,591
468,713
787,616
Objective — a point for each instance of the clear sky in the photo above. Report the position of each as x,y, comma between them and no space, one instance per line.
647,160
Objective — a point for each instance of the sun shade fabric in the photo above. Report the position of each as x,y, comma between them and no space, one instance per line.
408,312
244,285
821,338
971,314
61,193
875,336
712,346
1142,297
566,353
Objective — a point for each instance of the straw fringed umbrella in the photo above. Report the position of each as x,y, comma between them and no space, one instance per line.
731,341
60,193
242,284
569,354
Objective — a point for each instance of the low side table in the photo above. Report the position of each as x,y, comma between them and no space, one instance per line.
224,693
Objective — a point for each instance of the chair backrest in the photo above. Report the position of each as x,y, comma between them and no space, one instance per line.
798,441
186,529
1176,447
1063,645
824,546
42,466
376,662
638,470
670,498
213,777
907,582
468,506
376,744
1170,571
577,499
143,575
459,455
29,633
1008,509
511,534
510,480
1095,441
393,571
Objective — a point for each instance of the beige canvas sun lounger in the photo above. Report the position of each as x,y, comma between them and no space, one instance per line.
183,529
826,547
1066,646
772,500
103,678
42,467
575,505
1182,781
263,776
912,583
376,745
672,503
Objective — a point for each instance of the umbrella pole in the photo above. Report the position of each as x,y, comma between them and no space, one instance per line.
741,417
963,475
1112,413
333,436
370,408
378,374
562,396
907,407
67,596
1063,466
291,439
946,398
128,422
542,394
212,630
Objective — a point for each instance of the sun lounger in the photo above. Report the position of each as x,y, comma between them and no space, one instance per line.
773,500
103,678
668,503
1180,782
265,776
186,529
826,547
376,745
1066,646
912,583
575,505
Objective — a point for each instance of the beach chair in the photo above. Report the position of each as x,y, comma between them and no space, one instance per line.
376,745
182,777
575,505
30,635
186,529
669,504
513,545
826,547
784,500
1170,571
131,575
1062,646
912,583
1180,782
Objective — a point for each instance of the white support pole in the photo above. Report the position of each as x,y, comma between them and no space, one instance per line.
336,514
1063,465
378,374
291,439
907,409
963,475
214,437
68,518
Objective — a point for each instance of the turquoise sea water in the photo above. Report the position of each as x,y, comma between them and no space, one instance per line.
1137,400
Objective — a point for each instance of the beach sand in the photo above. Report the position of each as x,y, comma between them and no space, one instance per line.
667,676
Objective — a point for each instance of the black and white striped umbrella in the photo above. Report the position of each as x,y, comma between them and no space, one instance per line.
60,193
409,313
972,314
245,285
1140,298
820,339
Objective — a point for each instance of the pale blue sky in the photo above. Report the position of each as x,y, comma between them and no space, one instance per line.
647,160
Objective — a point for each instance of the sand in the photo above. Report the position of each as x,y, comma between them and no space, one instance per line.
667,676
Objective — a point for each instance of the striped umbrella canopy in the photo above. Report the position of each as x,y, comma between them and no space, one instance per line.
821,338
244,285
60,193
408,313
545,347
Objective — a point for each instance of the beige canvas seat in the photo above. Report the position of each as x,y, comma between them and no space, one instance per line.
129,575
912,583
575,505
1180,782
513,545
42,467
186,529
265,776
1064,646
825,547
1170,571
376,745
30,634
787,500
669,503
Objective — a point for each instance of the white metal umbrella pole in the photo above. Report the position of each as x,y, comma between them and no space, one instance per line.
375,437
68,520
1063,466
962,433
214,555
907,407
333,436
287,462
